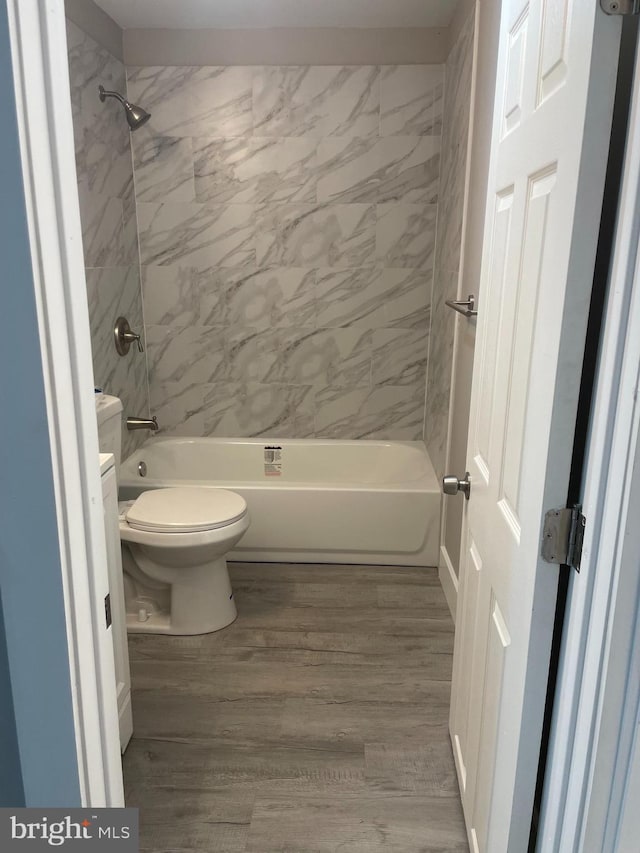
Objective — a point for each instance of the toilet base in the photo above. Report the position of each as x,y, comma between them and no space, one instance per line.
200,602
160,623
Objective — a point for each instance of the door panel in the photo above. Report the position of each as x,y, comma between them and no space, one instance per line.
465,729
553,51
518,335
514,89
498,640
488,352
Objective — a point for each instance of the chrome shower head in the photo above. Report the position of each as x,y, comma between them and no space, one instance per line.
136,116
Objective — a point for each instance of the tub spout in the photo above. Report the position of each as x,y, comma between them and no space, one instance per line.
143,423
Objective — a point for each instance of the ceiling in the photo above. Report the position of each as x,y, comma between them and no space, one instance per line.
253,14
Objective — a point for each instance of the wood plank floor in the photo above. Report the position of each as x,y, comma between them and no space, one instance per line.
316,723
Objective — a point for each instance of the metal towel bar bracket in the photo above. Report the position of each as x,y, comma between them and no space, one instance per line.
466,308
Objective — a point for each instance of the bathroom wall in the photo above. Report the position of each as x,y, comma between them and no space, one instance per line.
287,220
108,215
456,118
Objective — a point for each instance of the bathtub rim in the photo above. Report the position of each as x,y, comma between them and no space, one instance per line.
428,481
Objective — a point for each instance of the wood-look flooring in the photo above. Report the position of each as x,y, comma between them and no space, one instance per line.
316,723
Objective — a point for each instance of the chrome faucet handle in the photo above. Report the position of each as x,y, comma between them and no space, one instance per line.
125,336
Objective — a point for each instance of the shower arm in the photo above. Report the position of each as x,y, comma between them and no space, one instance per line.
106,94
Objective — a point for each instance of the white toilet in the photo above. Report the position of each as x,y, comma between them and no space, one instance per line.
174,543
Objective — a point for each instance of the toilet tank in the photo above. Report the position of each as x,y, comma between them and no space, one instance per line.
109,415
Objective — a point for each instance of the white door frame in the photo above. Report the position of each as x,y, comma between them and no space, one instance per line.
597,694
42,92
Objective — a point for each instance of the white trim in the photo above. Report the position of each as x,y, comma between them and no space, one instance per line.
448,581
458,319
616,722
446,572
39,55
595,652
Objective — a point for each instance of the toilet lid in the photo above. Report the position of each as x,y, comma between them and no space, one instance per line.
185,510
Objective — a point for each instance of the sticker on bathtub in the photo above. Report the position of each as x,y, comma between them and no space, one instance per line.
272,461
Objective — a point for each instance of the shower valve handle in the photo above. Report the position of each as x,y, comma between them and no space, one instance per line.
124,336
131,337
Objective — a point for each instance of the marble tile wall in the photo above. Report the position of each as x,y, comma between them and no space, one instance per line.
287,221
108,215
455,131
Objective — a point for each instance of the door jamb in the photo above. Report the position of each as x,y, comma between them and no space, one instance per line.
448,574
41,80
597,629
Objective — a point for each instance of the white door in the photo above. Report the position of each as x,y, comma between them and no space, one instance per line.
554,98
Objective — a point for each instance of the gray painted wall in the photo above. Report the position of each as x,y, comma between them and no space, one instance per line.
460,17
319,46
34,631
11,790
97,24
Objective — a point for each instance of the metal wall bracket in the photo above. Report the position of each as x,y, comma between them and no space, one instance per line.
466,307
562,536
620,7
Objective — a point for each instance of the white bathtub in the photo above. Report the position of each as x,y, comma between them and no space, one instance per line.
310,501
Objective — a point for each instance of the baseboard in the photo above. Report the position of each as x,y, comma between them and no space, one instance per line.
448,580
125,719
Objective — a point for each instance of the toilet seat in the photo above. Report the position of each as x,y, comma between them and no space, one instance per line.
185,510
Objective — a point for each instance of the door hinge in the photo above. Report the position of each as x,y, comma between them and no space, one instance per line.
107,610
620,7
562,536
